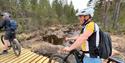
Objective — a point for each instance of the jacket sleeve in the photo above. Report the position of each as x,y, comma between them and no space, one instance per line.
2,24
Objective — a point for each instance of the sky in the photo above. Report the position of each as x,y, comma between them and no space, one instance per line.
78,4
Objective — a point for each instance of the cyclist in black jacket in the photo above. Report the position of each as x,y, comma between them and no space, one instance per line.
9,33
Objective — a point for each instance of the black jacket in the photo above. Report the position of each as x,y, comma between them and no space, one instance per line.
5,24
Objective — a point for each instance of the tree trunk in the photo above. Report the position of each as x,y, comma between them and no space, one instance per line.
116,14
105,14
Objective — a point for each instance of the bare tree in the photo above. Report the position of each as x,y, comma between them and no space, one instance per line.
106,18
116,14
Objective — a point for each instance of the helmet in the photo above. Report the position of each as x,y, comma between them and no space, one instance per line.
92,5
86,11
6,14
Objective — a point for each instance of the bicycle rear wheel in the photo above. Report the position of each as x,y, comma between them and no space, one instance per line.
57,59
2,39
16,47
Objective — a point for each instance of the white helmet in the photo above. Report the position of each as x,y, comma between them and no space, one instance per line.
86,11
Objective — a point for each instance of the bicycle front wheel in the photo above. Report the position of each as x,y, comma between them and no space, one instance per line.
16,47
57,59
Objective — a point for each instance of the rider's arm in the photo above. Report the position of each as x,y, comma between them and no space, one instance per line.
84,36
74,38
2,24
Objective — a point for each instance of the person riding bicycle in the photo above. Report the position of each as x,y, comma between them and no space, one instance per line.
87,38
9,32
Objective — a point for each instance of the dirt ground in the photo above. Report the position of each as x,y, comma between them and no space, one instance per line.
49,40
118,43
37,45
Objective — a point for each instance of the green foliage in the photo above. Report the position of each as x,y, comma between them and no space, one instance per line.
65,12
99,16
33,15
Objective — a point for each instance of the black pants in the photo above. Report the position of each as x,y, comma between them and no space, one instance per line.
10,35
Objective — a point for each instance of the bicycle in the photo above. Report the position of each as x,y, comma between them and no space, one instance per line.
15,44
78,54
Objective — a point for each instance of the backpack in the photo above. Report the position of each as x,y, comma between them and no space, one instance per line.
105,45
13,25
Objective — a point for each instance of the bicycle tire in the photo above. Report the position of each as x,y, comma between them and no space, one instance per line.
54,57
16,47
2,37
74,60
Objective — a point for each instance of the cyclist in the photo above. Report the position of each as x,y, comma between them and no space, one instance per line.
9,33
87,38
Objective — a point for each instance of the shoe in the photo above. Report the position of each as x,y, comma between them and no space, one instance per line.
4,52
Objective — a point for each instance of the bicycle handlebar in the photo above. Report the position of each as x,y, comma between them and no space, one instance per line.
75,50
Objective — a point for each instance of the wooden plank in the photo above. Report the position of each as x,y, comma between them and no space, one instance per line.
37,59
41,60
22,58
24,61
7,57
31,59
13,57
25,57
46,61
19,57
10,53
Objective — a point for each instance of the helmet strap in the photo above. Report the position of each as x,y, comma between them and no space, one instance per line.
86,21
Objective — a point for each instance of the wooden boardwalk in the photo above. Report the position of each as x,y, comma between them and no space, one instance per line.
26,57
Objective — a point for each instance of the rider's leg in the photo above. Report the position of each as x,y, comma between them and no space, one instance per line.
6,44
8,36
6,40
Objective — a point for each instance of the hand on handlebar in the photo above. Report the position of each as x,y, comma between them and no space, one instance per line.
66,49
69,50
66,38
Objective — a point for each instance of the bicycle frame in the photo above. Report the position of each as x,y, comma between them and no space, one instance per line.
10,41
78,57
14,44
